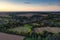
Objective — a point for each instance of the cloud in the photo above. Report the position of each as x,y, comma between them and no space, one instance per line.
6,6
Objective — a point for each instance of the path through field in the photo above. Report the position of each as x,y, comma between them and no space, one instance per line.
4,36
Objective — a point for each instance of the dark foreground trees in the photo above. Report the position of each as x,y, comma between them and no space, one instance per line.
45,36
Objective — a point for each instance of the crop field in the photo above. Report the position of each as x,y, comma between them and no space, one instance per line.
24,29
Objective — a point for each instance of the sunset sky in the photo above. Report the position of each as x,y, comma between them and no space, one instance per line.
29,5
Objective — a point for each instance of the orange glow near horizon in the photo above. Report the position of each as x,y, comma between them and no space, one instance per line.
4,6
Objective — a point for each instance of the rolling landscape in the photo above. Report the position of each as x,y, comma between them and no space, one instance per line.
30,25
29,19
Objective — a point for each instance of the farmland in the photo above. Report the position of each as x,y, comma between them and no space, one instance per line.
35,26
4,36
21,30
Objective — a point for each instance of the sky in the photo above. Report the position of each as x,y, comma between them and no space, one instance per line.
29,5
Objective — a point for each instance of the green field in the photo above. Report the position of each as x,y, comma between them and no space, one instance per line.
19,30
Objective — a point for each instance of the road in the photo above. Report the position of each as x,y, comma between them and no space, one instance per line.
4,36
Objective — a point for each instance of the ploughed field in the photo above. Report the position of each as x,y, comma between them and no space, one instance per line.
4,36
49,29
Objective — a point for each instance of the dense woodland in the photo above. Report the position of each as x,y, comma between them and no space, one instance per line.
24,25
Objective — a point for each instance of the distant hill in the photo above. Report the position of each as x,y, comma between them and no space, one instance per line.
27,13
